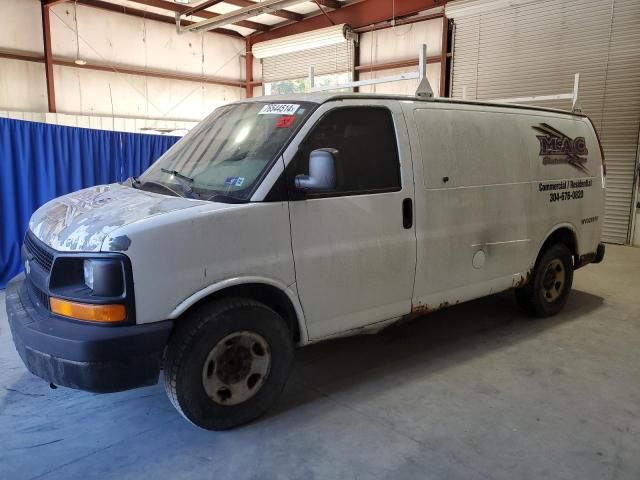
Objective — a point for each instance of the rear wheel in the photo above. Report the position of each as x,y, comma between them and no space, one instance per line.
228,363
548,288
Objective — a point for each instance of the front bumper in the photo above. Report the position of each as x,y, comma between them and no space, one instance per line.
80,355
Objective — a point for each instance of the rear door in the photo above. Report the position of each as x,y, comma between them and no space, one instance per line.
354,252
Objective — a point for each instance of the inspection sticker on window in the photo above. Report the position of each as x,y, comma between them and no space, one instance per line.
234,181
279,109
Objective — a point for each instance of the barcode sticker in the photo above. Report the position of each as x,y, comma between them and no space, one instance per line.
279,109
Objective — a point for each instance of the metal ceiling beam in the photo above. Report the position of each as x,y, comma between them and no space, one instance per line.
48,60
51,3
201,6
30,57
181,9
112,7
329,3
401,21
288,14
376,67
152,73
357,15
237,16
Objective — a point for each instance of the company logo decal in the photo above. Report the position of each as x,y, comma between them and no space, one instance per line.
557,148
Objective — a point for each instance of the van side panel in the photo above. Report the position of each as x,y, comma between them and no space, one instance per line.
472,203
483,209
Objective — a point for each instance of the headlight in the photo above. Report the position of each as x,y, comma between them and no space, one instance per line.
88,274
105,277
94,289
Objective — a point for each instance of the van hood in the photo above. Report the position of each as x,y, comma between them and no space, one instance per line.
80,221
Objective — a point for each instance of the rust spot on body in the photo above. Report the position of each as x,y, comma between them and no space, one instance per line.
522,281
417,311
420,310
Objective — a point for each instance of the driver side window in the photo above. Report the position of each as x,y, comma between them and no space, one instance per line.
367,159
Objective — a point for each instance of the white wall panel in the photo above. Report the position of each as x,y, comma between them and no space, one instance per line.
20,27
109,37
126,40
87,92
405,87
401,42
22,85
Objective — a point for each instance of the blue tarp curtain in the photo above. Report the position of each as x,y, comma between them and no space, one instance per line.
39,162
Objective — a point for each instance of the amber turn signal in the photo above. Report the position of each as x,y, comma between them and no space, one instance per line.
84,311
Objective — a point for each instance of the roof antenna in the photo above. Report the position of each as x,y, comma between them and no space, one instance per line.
424,90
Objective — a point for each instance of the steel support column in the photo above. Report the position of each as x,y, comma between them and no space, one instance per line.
444,62
248,68
48,58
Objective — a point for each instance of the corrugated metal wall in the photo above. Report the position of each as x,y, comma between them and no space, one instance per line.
535,49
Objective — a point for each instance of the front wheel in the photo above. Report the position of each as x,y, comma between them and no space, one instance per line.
228,363
548,288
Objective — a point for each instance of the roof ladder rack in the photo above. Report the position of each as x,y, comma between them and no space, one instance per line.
424,90
573,96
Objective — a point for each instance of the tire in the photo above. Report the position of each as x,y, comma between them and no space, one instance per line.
548,288
217,347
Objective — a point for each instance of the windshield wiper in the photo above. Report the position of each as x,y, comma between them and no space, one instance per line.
185,182
176,173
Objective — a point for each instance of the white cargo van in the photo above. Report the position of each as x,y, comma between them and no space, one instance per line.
284,221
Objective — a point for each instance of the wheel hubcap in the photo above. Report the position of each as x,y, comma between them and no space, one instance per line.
236,368
553,281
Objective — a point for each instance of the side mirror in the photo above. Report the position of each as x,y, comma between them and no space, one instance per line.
322,171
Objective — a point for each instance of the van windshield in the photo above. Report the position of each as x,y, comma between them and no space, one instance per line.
225,156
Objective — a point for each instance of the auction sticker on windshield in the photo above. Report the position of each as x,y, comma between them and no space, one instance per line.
279,109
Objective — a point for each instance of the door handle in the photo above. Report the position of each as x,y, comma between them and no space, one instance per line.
407,213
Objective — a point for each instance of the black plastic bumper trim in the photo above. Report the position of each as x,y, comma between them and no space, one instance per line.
84,356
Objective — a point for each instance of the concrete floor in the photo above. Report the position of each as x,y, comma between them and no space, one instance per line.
474,392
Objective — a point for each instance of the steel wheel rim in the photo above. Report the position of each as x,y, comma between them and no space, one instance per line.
553,281
236,368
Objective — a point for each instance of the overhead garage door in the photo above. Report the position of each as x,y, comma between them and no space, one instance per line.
523,48
324,60
330,51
